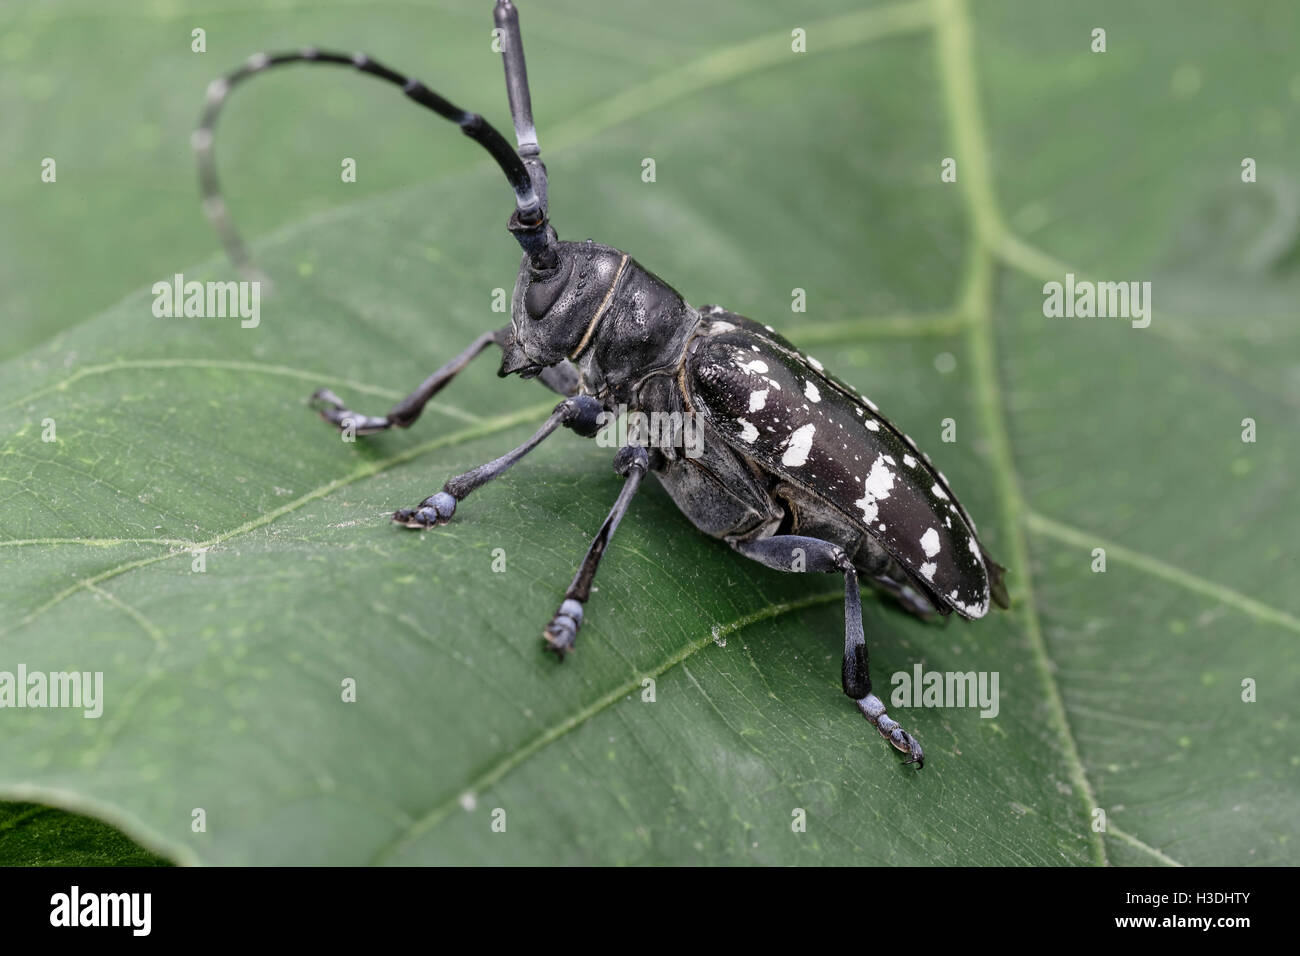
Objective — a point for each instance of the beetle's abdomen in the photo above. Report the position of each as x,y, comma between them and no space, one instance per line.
775,406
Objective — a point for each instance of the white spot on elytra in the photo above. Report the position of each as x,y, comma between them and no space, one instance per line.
930,542
878,485
757,399
928,569
798,445
909,461
872,425
758,366
810,392
938,491
815,364
748,432
970,610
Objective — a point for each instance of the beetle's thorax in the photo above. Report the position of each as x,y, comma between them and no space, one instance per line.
616,321
643,332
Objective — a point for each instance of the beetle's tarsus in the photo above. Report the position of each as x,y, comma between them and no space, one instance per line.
562,632
874,710
332,409
560,637
432,511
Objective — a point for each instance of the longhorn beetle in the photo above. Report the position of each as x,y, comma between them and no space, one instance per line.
798,471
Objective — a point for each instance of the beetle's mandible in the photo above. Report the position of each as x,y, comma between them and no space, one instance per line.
796,470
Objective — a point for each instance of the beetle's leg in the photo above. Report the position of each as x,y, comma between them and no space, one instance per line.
632,462
405,412
560,378
792,552
579,413
883,571
908,598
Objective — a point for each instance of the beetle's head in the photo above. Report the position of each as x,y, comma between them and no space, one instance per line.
553,311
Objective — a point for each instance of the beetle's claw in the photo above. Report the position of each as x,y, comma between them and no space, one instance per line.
562,632
331,408
558,641
433,510
906,743
874,710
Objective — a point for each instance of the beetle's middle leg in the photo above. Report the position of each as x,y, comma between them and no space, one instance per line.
580,413
560,378
632,462
793,552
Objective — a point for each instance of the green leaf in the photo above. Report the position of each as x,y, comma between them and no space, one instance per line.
34,835
776,170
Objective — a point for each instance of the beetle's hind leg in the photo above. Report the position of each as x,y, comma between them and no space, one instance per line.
792,552
883,572
907,597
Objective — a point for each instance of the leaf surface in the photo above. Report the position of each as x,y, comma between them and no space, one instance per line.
775,171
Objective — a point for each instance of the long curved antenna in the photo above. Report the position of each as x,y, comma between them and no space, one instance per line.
506,17
528,222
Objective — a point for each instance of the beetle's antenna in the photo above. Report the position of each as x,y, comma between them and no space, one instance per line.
521,102
528,222
537,238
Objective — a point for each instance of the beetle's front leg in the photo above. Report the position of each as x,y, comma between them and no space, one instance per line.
560,378
792,552
405,412
580,413
632,462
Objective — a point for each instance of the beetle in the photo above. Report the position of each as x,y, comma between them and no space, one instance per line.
795,470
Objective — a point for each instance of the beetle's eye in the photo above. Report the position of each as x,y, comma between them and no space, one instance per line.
544,290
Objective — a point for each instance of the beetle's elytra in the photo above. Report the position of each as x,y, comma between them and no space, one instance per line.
796,470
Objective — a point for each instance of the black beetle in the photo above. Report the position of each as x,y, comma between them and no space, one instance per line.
794,468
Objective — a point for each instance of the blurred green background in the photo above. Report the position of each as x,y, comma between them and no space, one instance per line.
1119,165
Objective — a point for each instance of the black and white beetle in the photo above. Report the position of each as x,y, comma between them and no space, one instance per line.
798,471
